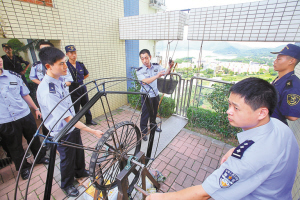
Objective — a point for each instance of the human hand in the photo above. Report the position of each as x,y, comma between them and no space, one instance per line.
160,74
38,114
226,156
98,133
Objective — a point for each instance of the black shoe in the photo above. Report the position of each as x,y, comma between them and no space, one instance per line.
145,137
43,161
91,123
86,173
71,191
25,173
158,130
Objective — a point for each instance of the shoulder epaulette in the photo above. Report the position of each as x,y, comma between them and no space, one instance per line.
139,68
155,64
36,63
289,84
15,73
80,62
239,151
52,88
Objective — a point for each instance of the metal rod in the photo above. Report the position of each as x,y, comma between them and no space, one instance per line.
48,185
141,190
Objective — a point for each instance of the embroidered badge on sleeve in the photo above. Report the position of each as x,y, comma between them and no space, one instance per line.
227,179
293,99
239,151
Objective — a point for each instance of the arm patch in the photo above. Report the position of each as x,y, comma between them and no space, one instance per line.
239,151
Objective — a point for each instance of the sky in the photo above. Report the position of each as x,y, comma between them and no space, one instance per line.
188,4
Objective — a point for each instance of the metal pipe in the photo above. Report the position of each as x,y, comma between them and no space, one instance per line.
141,190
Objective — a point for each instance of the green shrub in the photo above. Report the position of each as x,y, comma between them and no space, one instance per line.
211,121
167,106
216,120
134,99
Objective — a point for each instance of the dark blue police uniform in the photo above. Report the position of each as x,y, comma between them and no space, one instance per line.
78,74
288,97
15,64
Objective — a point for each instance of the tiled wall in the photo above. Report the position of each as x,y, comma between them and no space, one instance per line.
131,8
159,26
269,20
90,25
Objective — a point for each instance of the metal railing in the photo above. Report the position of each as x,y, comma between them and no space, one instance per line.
189,92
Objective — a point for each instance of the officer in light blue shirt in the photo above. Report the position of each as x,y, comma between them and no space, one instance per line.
50,93
16,119
264,165
149,73
38,71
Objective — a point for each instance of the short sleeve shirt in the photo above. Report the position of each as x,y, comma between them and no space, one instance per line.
14,64
50,93
144,72
78,73
263,166
38,71
12,105
288,88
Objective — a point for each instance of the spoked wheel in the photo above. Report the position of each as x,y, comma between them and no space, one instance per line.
118,142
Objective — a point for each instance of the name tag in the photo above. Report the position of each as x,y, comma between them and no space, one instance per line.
145,73
156,70
13,83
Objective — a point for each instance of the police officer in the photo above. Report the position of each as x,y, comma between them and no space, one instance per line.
149,73
287,84
79,73
264,165
13,62
50,93
16,119
38,71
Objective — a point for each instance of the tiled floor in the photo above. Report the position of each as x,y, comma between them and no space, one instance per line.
186,161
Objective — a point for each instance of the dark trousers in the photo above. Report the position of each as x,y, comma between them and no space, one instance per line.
72,160
11,134
76,95
154,101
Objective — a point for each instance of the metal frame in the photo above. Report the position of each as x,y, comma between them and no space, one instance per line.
54,141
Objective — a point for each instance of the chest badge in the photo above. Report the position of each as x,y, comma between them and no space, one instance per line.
293,99
227,179
156,70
